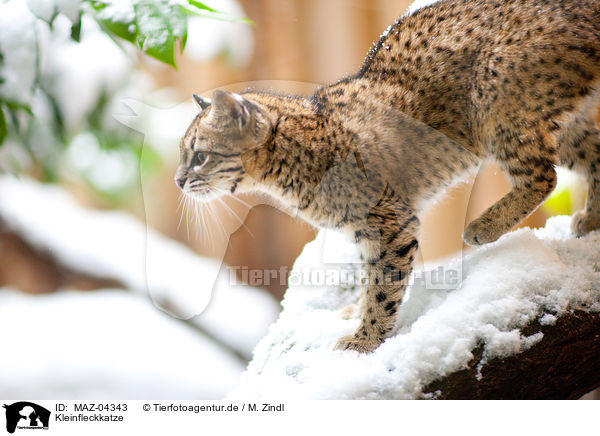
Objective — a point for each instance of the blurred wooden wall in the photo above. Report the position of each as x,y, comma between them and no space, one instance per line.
303,43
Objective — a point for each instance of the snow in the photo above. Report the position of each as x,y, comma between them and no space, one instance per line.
108,344
116,245
93,66
96,64
548,319
76,74
18,47
161,122
106,169
527,275
209,37
42,9
69,8
47,9
419,4
118,11
24,40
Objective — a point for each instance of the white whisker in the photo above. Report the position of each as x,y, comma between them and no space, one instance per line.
235,215
179,210
187,215
206,226
236,198
200,222
214,214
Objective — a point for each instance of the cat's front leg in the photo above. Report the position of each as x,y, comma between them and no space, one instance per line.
389,264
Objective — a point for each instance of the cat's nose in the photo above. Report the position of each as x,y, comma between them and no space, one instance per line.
180,182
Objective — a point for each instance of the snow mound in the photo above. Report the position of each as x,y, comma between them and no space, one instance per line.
107,344
527,275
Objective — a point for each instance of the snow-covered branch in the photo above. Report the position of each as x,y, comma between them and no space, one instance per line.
517,319
563,365
113,249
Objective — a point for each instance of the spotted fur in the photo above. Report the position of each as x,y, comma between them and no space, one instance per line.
443,89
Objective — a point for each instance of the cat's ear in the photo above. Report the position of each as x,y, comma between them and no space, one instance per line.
201,102
228,108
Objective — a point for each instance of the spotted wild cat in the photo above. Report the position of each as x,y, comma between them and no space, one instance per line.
443,89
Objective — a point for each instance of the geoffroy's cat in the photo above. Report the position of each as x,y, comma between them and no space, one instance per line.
443,89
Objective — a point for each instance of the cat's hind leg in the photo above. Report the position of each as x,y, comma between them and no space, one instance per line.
580,151
588,219
528,159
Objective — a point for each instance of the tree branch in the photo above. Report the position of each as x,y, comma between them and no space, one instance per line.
33,270
563,365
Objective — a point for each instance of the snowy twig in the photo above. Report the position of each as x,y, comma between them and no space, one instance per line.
237,353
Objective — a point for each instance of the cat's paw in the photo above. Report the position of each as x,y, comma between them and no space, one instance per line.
362,345
480,232
582,223
352,311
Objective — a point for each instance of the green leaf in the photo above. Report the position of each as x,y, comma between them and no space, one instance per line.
118,26
15,106
1,62
159,25
203,10
58,125
183,40
155,25
76,29
200,5
162,48
3,127
126,31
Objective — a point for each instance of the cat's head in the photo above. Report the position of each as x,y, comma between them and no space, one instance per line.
227,127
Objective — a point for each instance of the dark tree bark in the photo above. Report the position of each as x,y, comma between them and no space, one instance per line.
563,365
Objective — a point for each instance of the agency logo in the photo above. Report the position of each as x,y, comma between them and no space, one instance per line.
26,415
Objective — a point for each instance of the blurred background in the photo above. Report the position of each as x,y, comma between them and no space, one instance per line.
92,108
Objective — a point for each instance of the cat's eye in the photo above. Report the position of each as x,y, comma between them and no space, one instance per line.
199,159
